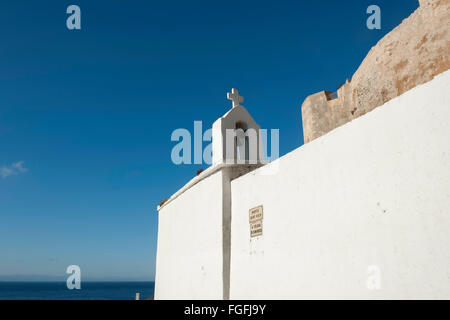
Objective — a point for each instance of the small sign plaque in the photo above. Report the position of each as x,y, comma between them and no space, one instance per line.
256,229
255,214
255,217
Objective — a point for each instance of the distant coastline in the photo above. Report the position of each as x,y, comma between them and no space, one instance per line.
63,278
90,290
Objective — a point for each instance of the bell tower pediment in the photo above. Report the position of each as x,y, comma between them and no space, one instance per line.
236,136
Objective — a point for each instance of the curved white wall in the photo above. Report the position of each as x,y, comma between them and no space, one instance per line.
189,250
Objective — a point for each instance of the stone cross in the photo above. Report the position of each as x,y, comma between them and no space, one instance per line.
235,97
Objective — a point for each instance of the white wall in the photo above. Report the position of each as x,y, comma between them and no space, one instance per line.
375,191
189,250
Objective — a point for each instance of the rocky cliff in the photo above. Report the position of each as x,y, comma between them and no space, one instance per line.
411,54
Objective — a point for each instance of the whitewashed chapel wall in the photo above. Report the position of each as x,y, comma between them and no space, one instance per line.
189,250
365,206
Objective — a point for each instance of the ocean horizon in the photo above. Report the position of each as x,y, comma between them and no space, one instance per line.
90,290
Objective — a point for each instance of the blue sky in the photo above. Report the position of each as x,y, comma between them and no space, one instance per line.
90,112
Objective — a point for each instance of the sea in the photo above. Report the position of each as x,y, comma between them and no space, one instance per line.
14,290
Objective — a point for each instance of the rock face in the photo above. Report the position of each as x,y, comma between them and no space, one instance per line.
411,54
